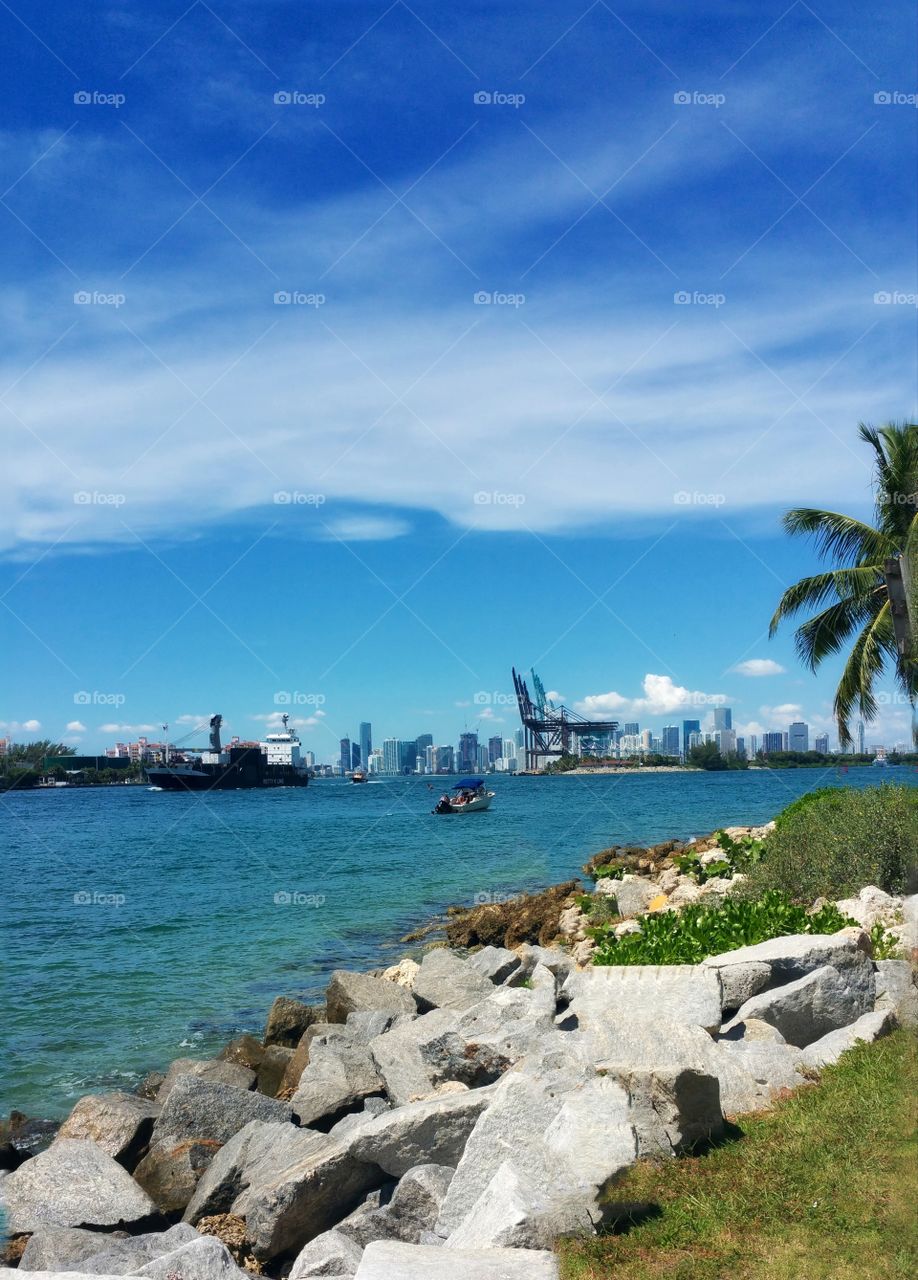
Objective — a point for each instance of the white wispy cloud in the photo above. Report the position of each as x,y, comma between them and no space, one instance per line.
76,726
662,697
18,726
759,667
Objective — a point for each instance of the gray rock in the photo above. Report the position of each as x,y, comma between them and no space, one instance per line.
560,963
340,1075
72,1184
497,964
351,992
169,1173
896,990
810,1007
430,1132
687,994
563,1131
366,1024
398,1054
288,1019
634,894
775,1067
205,1258
444,981
289,1185
215,1070
740,981
95,1252
372,1106
331,1254
795,955
674,1109
417,1200
274,1063
197,1109
872,906
868,1028
245,1051
119,1123
754,1029
390,1260
513,1213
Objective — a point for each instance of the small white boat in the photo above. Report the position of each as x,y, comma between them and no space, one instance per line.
469,795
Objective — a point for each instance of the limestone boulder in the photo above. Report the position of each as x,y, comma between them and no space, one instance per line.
687,994
497,964
204,1258
245,1051
868,1028
444,981
213,1070
872,906
273,1069
197,1109
513,1212
119,1123
897,991
99,1252
796,955
330,1254
634,894
72,1184
404,973
434,1131
391,1260
349,992
808,1008
339,1076
399,1054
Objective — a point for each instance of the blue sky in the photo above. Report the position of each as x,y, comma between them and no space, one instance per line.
361,350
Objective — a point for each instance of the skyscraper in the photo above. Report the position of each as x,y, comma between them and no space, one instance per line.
631,728
366,742
688,728
407,756
468,752
860,737
798,736
723,718
390,755
671,740
423,742
772,742
355,756
821,744
495,748
345,757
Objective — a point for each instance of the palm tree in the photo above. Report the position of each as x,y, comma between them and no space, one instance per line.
855,593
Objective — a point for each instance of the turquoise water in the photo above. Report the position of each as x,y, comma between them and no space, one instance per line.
143,925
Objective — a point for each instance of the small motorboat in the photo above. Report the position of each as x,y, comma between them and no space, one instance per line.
469,795
358,776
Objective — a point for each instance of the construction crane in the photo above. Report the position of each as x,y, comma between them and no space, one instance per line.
547,728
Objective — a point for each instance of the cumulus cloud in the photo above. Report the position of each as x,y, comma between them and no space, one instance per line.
76,726
759,667
17,726
273,722
128,728
662,697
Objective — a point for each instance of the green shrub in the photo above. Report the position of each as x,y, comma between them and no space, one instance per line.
833,842
697,931
612,872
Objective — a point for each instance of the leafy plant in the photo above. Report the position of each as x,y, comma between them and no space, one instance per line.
885,945
834,841
611,872
698,931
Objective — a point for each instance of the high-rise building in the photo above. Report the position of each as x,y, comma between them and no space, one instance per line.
753,744
509,751
423,742
366,741
468,752
772,742
726,741
723,718
671,740
310,759
695,739
345,757
355,756
741,746
390,756
688,728
445,760
632,728
860,737
495,748
821,743
798,736
407,756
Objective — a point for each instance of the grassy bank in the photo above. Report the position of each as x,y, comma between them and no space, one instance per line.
822,1188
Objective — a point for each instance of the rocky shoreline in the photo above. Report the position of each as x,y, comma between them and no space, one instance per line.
453,1115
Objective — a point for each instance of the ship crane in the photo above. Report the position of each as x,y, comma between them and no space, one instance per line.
547,728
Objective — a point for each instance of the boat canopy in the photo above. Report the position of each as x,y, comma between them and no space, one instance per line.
468,784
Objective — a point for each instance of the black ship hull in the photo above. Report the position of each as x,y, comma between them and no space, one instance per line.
247,770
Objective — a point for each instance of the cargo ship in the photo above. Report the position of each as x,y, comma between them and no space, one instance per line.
275,762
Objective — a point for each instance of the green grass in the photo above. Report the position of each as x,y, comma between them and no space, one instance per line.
821,1188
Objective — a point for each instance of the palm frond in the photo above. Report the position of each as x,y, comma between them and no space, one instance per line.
873,646
855,584
849,541
825,633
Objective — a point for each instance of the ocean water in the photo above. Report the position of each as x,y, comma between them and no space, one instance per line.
141,926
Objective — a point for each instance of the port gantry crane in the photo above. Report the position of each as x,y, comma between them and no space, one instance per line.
547,729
